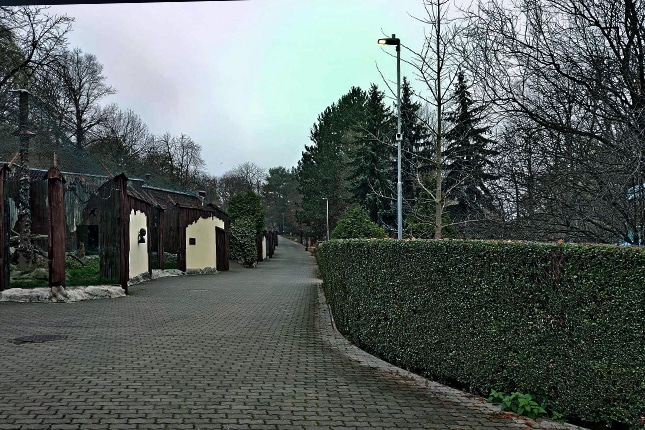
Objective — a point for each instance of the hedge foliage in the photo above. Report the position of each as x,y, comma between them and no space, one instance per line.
357,225
242,241
558,320
247,205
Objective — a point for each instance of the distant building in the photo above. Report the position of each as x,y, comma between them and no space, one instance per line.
102,198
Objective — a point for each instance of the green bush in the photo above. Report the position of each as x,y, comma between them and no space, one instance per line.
357,225
247,220
520,403
563,321
242,241
247,205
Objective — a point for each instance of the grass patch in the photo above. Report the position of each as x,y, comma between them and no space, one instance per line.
84,274
78,274
170,265
29,284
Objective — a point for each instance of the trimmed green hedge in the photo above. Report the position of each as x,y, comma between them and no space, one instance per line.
242,241
563,321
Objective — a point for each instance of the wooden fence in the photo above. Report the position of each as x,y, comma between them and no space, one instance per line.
108,208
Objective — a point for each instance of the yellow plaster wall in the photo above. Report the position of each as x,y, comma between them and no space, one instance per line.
203,254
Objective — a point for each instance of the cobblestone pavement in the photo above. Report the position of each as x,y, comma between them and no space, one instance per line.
244,349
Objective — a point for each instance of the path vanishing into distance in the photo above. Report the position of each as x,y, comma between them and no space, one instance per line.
243,349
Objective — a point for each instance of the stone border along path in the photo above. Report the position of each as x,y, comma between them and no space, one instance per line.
243,349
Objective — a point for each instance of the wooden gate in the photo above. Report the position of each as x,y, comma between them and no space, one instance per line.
221,249
4,232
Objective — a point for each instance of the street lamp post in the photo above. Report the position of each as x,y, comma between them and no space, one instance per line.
399,136
327,202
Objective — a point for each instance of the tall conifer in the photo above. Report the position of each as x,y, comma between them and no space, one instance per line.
468,154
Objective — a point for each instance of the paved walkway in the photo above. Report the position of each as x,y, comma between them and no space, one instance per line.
244,349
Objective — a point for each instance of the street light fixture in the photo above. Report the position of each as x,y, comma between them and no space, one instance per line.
390,41
399,137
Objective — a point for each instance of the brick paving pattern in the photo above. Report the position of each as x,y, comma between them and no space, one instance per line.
244,349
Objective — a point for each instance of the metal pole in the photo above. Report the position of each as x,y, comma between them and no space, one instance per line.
327,202
399,138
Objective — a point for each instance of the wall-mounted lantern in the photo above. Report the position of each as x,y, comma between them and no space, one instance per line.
142,236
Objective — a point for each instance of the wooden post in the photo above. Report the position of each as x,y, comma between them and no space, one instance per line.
161,226
221,249
4,233
149,241
227,229
183,223
269,238
124,214
56,239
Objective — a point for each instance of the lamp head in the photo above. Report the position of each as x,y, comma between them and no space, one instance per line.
390,40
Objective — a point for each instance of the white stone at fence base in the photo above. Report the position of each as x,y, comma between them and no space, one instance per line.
77,294
70,294
204,271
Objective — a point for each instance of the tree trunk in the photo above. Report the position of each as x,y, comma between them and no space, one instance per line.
24,251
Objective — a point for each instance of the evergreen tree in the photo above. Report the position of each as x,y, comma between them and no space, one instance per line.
280,193
323,170
468,153
371,158
247,205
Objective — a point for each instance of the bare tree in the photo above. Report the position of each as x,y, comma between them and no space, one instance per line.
436,65
29,39
252,175
573,71
188,160
176,158
242,178
80,76
229,185
50,99
211,185
122,132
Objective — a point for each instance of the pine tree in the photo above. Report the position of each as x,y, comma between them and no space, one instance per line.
370,158
323,170
468,153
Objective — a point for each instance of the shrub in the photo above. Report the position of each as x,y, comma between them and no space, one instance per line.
242,241
520,403
247,205
563,321
247,220
357,225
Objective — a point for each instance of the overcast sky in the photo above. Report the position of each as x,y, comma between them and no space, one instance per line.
245,79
